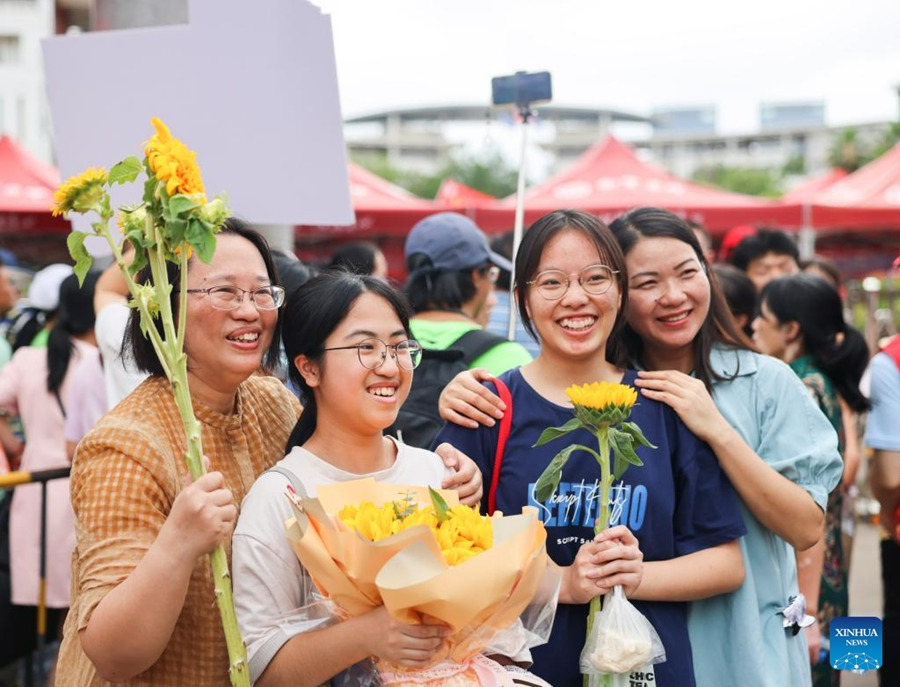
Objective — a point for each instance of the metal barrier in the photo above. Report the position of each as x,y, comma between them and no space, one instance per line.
10,480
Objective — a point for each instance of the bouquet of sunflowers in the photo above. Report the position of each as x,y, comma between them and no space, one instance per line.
424,556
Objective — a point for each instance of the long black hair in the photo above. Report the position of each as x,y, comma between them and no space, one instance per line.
314,311
75,316
837,349
140,348
719,326
537,237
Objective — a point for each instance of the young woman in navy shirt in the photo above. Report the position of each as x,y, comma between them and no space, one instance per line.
679,505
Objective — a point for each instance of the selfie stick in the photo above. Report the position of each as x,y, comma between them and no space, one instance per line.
526,113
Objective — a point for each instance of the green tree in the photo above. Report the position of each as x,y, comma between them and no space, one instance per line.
486,172
845,151
489,173
748,180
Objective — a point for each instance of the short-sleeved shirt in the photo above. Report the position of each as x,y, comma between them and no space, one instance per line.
738,637
678,503
125,475
269,582
442,335
883,424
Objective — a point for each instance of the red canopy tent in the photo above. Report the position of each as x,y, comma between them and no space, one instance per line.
455,195
384,213
807,191
27,226
868,198
609,179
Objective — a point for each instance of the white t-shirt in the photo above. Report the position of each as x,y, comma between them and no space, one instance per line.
120,375
269,582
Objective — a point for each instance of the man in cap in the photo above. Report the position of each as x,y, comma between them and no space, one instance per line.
452,272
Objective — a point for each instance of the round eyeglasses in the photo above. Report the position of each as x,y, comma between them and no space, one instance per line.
594,279
373,352
230,297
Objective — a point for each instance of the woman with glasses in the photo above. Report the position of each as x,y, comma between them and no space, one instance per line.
679,505
348,339
143,608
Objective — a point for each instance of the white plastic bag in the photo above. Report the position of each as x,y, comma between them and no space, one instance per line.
621,639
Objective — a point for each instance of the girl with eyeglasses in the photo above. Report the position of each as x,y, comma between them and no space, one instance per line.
679,505
348,340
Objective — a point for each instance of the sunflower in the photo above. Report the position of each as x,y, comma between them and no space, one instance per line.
81,193
462,534
174,164
601,395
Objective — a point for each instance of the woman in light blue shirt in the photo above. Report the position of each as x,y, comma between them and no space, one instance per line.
773,442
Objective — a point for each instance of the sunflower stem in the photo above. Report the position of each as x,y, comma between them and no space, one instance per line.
169,349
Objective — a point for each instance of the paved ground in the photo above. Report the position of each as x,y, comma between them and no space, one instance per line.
865,591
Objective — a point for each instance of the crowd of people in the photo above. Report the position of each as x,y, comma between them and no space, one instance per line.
751,391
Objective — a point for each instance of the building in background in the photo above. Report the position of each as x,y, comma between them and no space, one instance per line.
682,139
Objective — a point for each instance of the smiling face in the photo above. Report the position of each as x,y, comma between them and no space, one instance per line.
346,392
577,325
668,299
225,347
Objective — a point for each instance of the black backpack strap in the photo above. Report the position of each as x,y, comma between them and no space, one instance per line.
476,343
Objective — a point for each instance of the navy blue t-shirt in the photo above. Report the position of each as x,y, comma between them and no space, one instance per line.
679,502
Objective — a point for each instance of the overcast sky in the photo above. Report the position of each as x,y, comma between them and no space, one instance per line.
628,55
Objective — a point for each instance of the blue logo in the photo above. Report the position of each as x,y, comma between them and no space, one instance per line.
856,644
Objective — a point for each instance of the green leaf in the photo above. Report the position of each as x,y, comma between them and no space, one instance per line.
83,259
206,247
623,447
150,188
552,433
441,509
635,432
125,171
178,205
549,480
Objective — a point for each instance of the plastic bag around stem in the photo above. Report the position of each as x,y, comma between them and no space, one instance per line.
621,640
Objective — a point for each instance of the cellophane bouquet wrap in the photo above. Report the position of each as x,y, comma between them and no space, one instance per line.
501,600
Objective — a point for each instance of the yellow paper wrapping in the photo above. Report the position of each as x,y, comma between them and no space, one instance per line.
407,572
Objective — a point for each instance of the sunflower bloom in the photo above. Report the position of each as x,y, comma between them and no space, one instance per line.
81,193
174,164
601,395
464,533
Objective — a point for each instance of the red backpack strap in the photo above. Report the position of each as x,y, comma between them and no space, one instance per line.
893,350
505,423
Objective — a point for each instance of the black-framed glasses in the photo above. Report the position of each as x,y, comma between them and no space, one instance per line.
229,297
594,279
373,352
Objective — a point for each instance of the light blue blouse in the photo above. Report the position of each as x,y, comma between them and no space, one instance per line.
738,638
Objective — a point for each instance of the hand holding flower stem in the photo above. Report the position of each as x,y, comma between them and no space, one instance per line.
601,408
173,220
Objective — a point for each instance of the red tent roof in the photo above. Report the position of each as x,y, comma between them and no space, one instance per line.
455,194
382,209
807,190
870,197
609,179
369,191
26,183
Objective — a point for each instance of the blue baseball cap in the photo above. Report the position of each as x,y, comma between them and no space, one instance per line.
453,242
